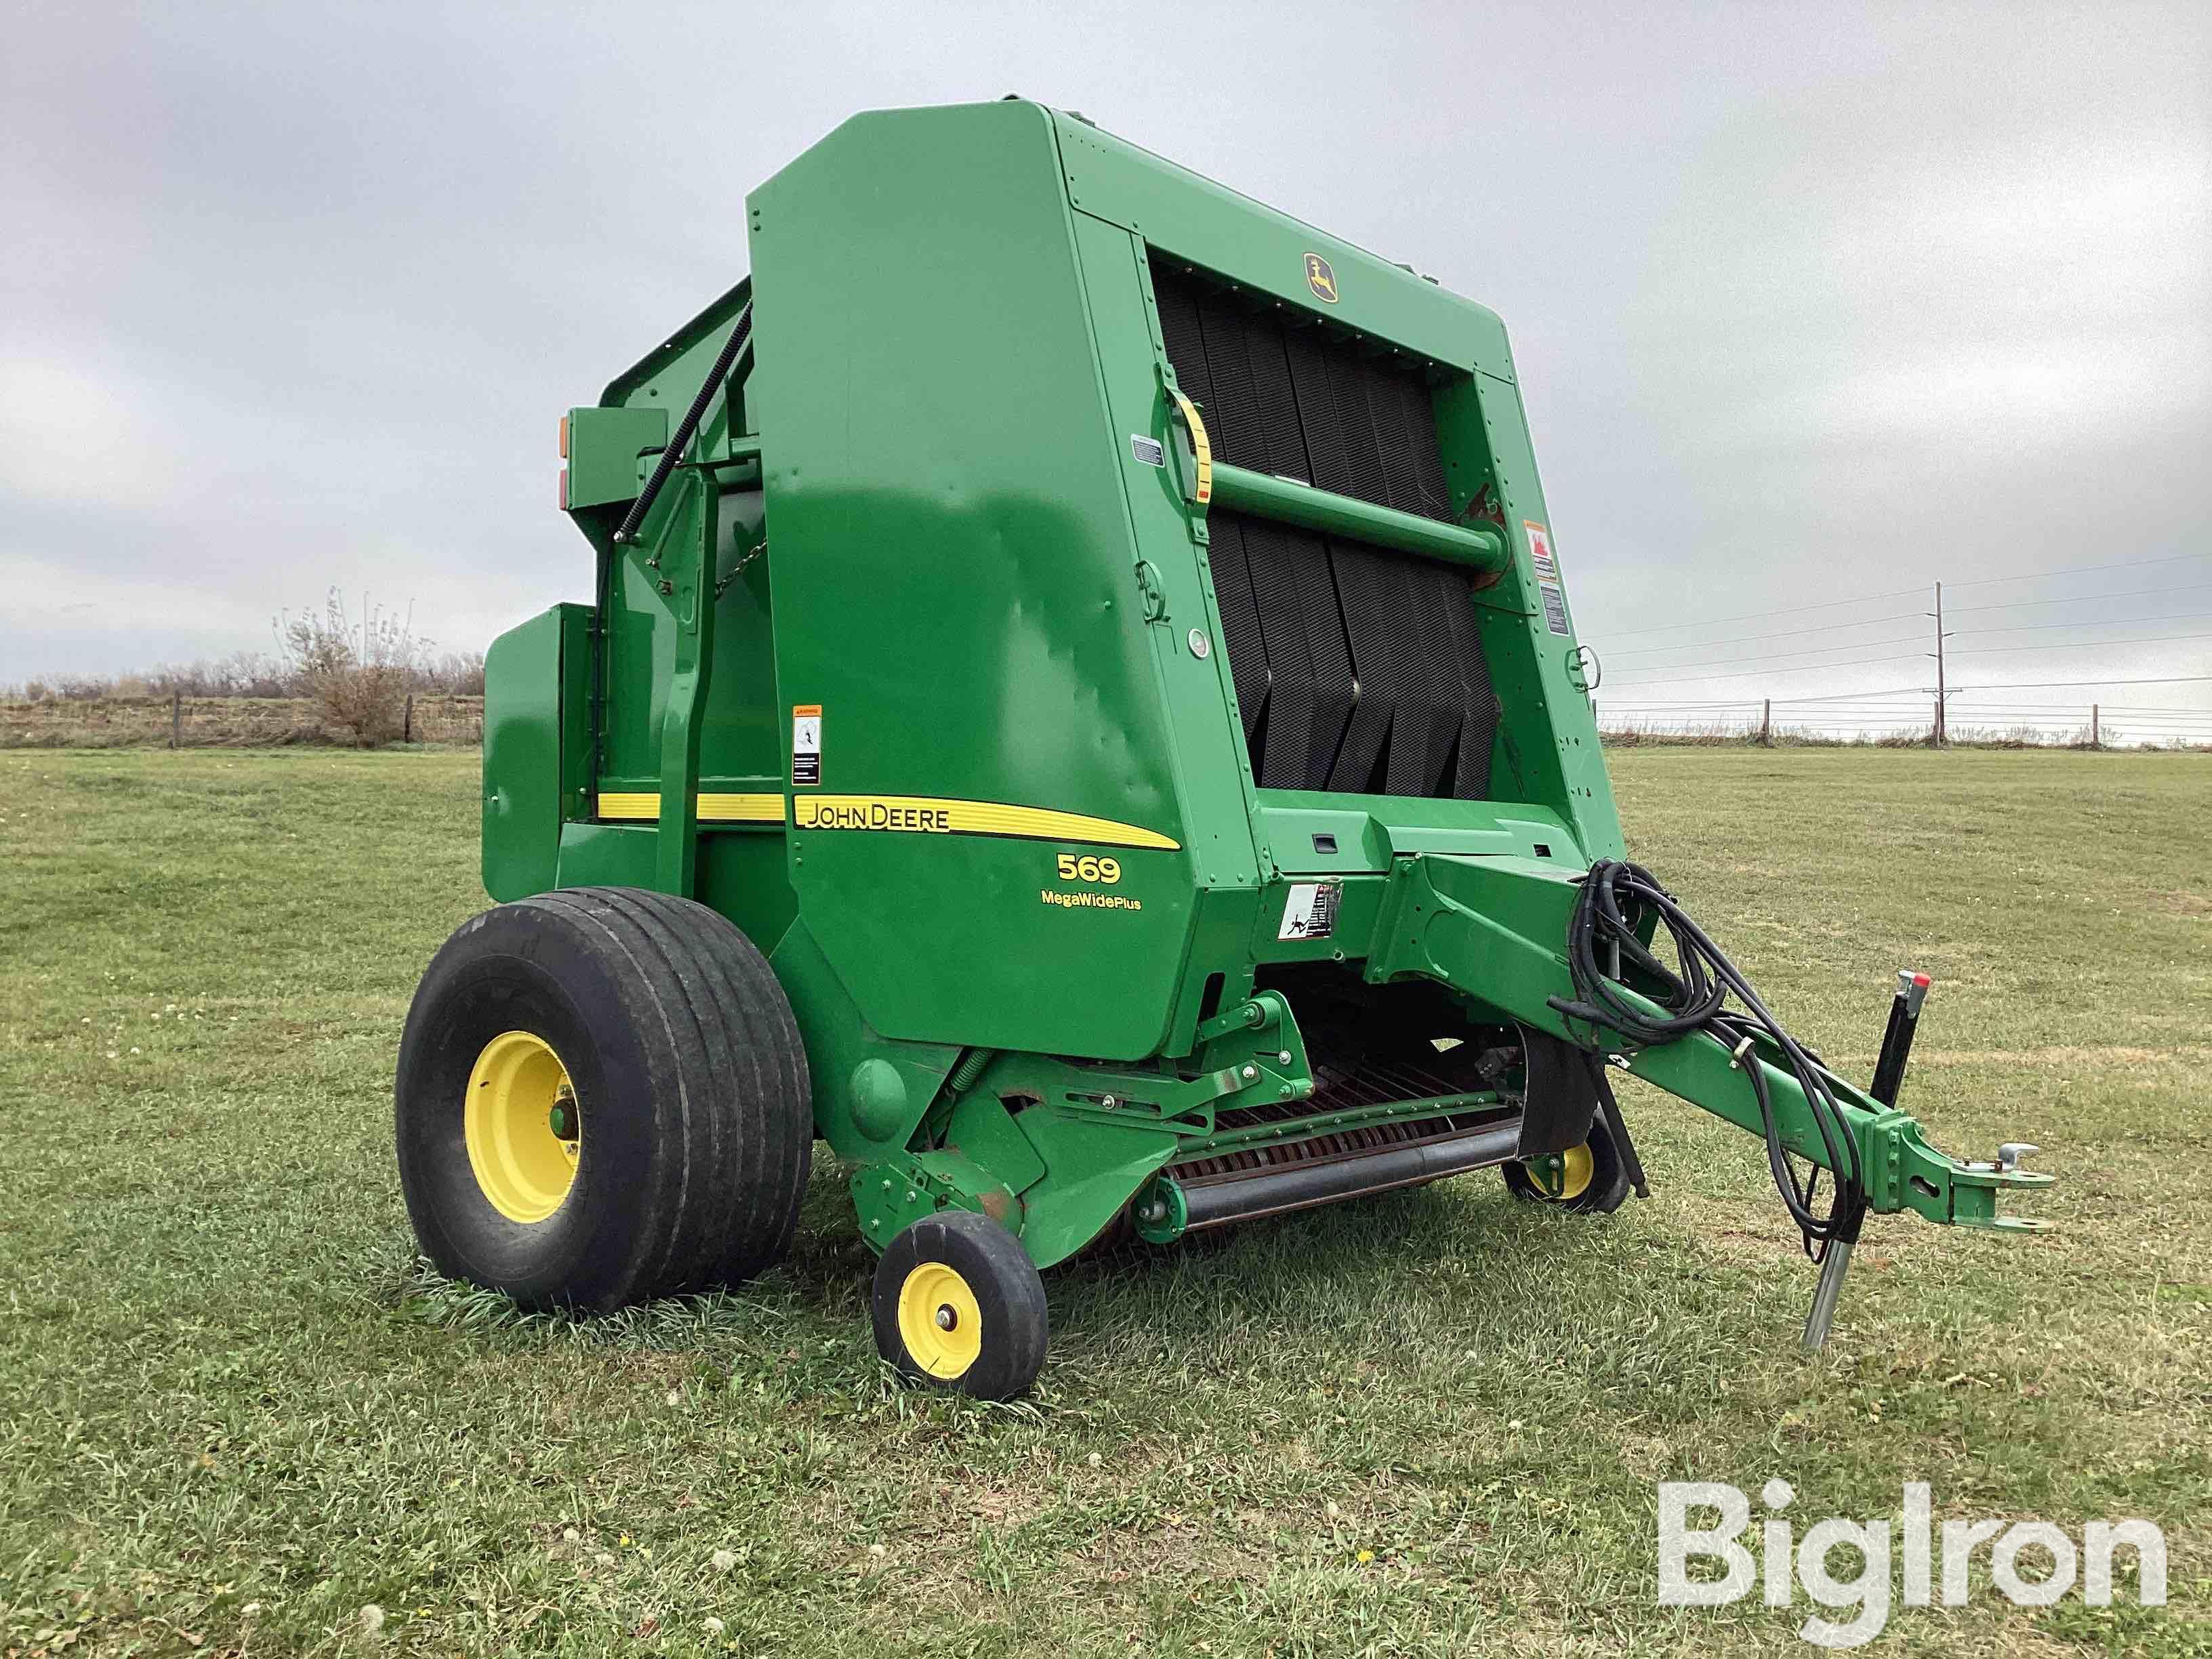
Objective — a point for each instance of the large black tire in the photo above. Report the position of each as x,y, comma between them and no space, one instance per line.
675,1046
976,1303
1597,1187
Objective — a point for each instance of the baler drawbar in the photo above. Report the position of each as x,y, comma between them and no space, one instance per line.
1080,711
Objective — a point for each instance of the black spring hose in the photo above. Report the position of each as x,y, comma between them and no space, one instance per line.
1609,913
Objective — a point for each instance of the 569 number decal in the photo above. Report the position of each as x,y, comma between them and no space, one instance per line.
1086,868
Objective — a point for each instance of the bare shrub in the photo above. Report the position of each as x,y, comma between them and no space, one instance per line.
453,673
358,673
81,688
242,674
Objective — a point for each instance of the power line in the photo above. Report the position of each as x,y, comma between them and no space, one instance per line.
1802,668
2071,569
2078,599
1902,593
2107,622
1782,634
1837,696
1772,656
1784,610
2046,685
1690,668
2081,645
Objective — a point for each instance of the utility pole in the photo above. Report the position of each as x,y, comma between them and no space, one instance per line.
1939,735
1766,723
2096,738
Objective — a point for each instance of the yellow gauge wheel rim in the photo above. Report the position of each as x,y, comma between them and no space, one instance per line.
524,1132
938,1321
1578,1166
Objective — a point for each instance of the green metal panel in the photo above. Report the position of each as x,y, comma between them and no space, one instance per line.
1207,224
739,744
606,451
953,585
536,747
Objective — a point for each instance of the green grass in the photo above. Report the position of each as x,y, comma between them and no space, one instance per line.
234,1409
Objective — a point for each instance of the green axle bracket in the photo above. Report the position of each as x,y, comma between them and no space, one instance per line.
1052,1148
1252,1053
1496,928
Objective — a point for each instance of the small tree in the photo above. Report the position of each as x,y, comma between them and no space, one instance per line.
357,672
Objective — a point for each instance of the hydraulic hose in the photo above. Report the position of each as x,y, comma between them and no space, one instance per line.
680,439
1614,900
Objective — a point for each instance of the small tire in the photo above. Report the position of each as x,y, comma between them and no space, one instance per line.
958,1304
1596,1182
638,1038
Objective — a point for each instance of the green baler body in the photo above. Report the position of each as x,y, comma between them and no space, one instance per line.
1027,893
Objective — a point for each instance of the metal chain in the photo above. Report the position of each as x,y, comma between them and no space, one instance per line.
738,569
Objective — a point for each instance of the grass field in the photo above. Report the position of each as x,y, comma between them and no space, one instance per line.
234,1411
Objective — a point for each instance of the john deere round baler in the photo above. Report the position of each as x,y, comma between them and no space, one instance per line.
1080,711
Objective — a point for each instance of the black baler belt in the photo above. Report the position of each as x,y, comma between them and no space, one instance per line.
1358,669
1239,627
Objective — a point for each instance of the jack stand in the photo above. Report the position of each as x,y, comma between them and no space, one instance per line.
1888,1077
1835,1263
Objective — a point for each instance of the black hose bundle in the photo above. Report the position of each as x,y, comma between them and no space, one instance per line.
1604,941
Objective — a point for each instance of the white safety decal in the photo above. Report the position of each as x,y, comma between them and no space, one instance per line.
1311,910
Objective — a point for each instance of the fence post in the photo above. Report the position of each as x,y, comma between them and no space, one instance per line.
176,720
2096,738
407,721
1766,723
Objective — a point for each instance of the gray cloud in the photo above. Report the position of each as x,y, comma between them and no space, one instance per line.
1808,301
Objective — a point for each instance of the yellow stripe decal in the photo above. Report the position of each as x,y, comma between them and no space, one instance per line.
713,808
911,814
1200,448
928,815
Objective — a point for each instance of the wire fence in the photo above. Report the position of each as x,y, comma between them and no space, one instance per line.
180,722
1970,723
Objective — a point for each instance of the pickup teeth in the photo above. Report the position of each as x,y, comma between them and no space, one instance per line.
1340,1090
1336,1145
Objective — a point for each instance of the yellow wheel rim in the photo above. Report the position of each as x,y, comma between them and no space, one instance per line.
1576,1168
939,1322
524,1132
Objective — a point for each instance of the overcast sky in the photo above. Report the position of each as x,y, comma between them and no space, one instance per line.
1808,301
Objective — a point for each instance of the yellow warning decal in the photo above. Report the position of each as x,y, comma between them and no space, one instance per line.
619,805
1200,448
929,815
